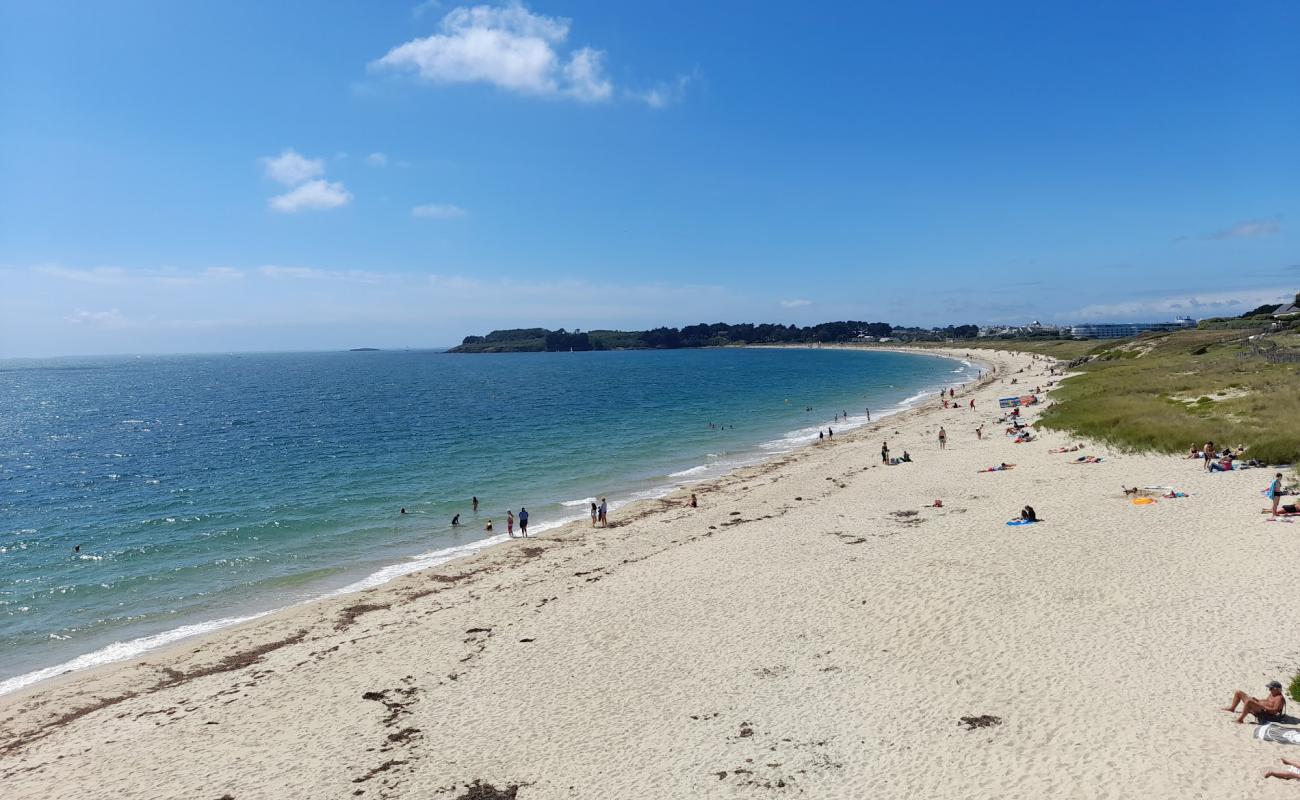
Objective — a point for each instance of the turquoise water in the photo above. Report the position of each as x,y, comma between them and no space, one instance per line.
205,489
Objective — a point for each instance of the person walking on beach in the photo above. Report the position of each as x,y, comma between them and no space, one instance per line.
523,521
830,434
602,512
474,500
1275,491
510,524
943,439
593,514
972,404
884,452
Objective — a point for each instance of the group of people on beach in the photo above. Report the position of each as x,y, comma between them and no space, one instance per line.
489,527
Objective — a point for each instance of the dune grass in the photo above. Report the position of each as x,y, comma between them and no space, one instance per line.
1164,392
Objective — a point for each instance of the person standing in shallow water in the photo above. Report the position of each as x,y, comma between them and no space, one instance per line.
603,513
510,524
523,521
474,501
593,515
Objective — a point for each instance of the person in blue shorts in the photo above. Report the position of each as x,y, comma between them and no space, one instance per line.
523,521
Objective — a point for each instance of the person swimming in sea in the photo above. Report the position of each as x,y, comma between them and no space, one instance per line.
403,511
488,527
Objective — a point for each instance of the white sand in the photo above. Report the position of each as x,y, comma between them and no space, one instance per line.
814,647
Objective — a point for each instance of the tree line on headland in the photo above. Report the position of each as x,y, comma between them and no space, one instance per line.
720,334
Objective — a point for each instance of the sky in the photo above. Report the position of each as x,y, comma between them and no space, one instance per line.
236,176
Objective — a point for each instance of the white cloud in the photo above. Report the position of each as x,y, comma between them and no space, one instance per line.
291,169
276,272
795,303
311,196
585,78
438,211
1202,304
377,160
107,319
506,46
1249,229
665,94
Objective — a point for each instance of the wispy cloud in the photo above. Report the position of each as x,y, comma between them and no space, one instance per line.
1248,229
277,272
667,93
291,168
795,303
377,160
108,319
315,195
438,211
509,47
1201,304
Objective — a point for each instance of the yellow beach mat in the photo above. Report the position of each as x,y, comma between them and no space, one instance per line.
1142,501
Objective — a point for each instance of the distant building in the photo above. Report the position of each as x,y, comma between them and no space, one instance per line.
1286,310
1123,330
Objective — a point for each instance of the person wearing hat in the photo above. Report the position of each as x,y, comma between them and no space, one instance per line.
1264,710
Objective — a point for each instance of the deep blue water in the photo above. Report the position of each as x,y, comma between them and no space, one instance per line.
204,488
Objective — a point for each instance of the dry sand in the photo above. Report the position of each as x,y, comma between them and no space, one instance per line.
812,630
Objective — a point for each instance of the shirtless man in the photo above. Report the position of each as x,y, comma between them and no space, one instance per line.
1270,706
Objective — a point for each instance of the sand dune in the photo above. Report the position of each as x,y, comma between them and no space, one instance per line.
814,629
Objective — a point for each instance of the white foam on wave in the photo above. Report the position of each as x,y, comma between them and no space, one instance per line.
687,473
416,563
121,651
586,501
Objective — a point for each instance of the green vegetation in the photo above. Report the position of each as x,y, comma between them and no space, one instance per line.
1294,689
1166,391
718,334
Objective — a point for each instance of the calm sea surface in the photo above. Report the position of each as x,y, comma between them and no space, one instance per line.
206,489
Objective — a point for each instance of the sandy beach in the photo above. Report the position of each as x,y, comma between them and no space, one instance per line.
814,629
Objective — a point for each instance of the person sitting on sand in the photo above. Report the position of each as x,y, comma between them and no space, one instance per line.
694,502
907,459
1291,773
1222,465
1264,710
1028,515
1195,452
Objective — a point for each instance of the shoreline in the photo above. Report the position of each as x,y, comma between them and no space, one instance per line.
140,647
817,627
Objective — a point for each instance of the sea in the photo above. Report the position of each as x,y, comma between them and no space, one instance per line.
145,499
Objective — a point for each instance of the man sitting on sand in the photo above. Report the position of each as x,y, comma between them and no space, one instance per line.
1264,710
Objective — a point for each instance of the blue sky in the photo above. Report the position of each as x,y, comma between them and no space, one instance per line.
293,175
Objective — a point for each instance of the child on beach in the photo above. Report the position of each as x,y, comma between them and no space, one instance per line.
593,514
510,524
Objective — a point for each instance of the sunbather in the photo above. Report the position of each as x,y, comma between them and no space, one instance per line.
999,468
1289,774
1222,465
1264,710
1028,515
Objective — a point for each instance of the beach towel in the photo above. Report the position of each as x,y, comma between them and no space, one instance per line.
1278,734
1022,522
1142,501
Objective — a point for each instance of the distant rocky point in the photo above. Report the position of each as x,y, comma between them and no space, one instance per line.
364,350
